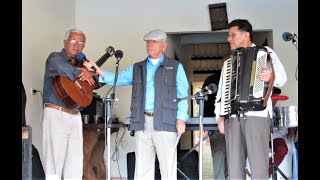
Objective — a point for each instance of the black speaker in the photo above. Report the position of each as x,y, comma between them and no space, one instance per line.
218,16
131,159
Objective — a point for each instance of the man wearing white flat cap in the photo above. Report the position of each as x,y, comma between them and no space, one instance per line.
156,119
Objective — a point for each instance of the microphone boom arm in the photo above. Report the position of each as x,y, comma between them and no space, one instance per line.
192,96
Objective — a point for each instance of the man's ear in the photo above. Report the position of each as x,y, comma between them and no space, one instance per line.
247,35
65,43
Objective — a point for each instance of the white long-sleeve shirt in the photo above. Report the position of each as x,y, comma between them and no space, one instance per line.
280,80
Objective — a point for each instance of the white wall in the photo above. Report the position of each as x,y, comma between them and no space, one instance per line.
280,16
43,26
122,25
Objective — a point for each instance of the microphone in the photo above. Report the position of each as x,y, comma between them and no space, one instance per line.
179,99
210,89
286,36
82,57
118,54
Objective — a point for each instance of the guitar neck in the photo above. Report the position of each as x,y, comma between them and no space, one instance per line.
102,59
109,53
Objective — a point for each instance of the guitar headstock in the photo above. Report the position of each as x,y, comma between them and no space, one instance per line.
110,51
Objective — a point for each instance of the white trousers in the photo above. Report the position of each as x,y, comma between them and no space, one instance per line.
150,143
62,145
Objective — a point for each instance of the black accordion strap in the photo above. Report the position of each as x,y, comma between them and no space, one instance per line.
270,83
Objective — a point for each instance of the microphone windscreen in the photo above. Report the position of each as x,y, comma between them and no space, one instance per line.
80,56
286,36
118,54
213,87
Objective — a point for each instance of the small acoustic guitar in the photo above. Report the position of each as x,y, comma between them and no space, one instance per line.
78,94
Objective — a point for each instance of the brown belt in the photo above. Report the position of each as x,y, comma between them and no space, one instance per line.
148,113
61,108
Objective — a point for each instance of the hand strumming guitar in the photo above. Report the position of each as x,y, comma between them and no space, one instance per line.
86,75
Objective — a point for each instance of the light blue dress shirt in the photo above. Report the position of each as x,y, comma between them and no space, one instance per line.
125,78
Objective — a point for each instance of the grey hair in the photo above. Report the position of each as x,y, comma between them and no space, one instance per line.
66,36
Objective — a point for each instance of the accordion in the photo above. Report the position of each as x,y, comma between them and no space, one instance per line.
242,90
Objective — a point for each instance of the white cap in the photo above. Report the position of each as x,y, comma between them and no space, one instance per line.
156,35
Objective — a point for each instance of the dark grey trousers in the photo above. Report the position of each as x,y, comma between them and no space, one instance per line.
247,137
218,150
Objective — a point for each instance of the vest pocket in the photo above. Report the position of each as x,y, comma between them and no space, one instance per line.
169,112
134,116
135,106
134,103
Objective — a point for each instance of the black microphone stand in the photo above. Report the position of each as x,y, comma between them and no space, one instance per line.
274,166
200,97
295,40
295,43
107,113
108,106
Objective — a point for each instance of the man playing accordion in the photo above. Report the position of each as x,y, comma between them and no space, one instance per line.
246,124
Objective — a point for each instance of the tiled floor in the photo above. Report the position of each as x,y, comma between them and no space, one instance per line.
207,167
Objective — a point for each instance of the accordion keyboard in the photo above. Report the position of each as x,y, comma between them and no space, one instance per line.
225,90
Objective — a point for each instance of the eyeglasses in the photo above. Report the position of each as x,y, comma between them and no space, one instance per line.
74,42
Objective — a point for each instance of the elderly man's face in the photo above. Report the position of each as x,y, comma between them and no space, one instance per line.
74,44
155,48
